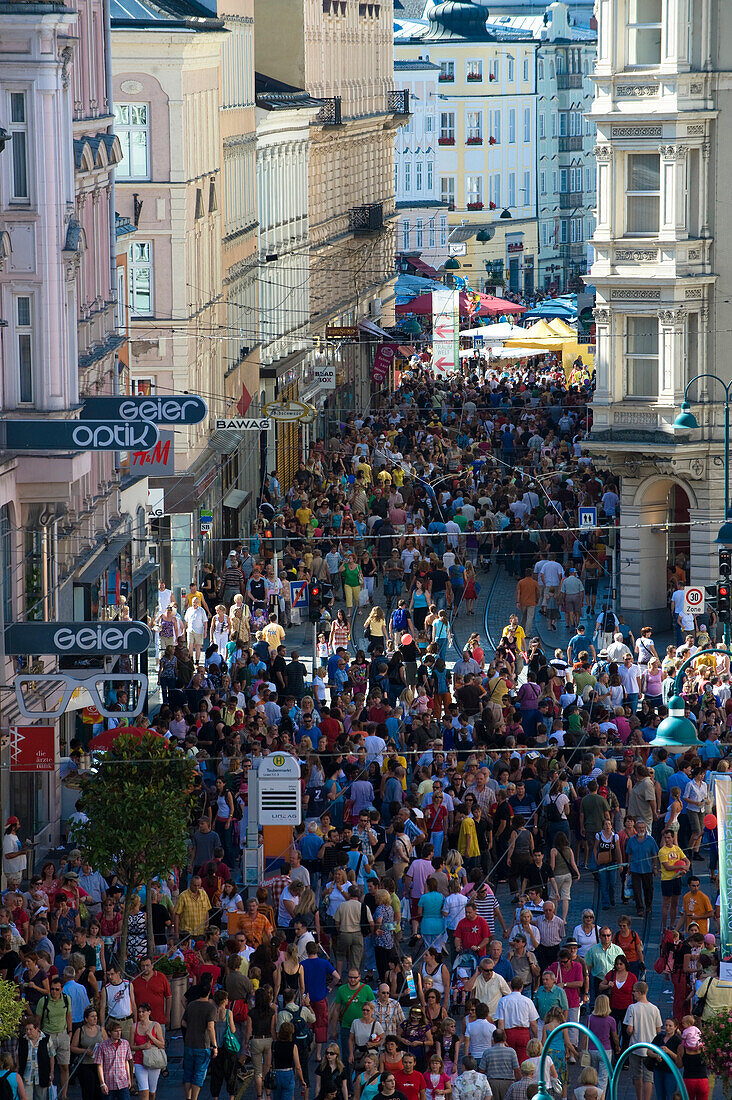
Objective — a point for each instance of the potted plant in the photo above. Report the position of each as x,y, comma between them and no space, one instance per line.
176,971
474,141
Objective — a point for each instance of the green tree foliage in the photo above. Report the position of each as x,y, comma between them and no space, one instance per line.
12,1009
137,804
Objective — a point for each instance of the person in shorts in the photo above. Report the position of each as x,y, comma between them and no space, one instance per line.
54,1013
674,864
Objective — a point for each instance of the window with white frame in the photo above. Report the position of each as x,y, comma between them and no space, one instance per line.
24,344
554,183
576,230
564,231
496,189
554,124
643,194
576,179
140,277
447,190
474,190
563,123
527,124
474,70
511,189
447,127
526,195
143,387
641,356
428,124
431,233
19,149
545,234
407,176
526,69
511,70
564,180
494,68
474,127
430,175
447,71
540,68
443,230
132,127
511,126
496,127
405,234
542,183
418,176
542,125
645,21
419,233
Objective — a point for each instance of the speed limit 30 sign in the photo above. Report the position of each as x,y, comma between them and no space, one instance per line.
693,600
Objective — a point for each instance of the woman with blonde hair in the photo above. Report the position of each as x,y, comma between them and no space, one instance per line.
376,629
602,1025
220,629
306,910
454,866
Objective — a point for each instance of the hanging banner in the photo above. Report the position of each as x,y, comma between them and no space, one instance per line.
445,331
32,748
383,360
723,795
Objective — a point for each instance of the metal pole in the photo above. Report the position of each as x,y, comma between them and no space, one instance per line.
679,680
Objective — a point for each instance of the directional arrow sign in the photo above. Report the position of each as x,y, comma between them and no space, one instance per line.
442,363
443,333
183,409
76,435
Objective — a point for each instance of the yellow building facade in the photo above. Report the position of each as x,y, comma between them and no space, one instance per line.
486,142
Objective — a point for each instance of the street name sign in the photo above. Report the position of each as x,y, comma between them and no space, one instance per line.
244,424
176,409
76,435
91,639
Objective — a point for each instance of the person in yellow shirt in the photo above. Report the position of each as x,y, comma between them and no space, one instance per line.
384,478
304,515
193,594
514,627
398,476
674,864
273,634
363,470
695,907
393,754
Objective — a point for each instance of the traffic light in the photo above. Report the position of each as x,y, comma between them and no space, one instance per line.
725,562
724,609
314,601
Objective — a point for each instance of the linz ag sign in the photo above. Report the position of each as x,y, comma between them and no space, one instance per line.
91,639
184,409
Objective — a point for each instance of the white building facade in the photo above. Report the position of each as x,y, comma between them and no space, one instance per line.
663,283
422,228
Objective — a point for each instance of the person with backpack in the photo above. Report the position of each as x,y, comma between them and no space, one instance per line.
11,1083
54,1014
302,1019
398,622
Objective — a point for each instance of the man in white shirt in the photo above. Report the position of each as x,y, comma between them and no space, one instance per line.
164,597
302,938
14,853
552,575
618,650
517,1016
375,749
630,675
452,529
196,621
642,1023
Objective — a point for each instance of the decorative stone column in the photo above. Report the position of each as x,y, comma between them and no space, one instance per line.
673,224
671,344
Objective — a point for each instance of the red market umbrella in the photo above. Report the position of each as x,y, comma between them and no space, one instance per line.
106,738
489,306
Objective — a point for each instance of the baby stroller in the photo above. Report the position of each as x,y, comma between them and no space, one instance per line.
465,965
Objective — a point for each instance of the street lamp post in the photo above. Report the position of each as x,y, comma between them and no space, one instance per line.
686,421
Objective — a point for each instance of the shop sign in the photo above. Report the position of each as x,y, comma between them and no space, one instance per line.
325,375
158,460
341,332
183,409
244,424
156,502
515,246
383,360
32,749
288,412
76,435
206,521
90,639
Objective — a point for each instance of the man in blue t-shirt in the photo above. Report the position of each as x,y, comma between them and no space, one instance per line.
578,643
317,972
641,852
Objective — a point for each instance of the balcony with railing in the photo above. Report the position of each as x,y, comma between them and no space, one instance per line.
330,113
570,143
398,101
569,200
366,219
569,80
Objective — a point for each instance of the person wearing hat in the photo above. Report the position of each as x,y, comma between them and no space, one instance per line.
15,852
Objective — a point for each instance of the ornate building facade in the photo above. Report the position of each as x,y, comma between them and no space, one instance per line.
663,281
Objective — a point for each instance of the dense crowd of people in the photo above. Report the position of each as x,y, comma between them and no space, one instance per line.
457,814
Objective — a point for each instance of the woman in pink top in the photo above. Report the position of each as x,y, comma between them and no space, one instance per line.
651,683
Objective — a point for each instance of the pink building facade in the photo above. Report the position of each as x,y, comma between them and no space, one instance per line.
64,535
